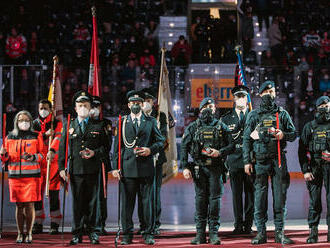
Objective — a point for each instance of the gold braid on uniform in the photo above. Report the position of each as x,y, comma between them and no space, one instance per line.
128,145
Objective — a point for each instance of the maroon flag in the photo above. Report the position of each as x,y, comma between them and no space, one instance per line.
94,83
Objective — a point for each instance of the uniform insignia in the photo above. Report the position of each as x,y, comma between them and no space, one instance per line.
71,130
269,86
28,144
83,93
231,126
74,135
95,132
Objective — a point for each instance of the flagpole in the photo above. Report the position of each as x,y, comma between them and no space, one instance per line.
55,60
163,49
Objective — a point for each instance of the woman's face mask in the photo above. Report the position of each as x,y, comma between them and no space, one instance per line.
24,125
43,113
83,112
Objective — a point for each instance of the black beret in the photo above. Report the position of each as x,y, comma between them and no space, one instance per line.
321,100
266,85
206,101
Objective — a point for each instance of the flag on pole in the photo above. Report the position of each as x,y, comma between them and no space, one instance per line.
170,168
239,74
57,101
94,83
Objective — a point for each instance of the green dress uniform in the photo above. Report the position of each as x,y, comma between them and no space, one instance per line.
315,140
137,171
239,181
84,172
159,178
265,151
207,172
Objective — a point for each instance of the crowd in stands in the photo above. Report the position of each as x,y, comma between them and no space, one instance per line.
33,31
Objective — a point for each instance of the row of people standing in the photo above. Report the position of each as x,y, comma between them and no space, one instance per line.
251,145
26,152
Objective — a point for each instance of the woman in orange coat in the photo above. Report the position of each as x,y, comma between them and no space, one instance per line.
22,152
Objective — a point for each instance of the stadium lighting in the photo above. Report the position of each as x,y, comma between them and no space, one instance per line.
170,34
259,43
171,24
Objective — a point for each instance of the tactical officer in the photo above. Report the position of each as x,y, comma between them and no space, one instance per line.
102,212
150,110
239,181
88,146
141,140
315,140
261,137
208,141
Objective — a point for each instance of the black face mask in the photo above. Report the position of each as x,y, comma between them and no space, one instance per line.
323,114
207,115
136,108
267,100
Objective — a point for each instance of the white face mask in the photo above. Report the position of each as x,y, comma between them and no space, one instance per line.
44,113
95,112
25,125
146,107
83,112
241,102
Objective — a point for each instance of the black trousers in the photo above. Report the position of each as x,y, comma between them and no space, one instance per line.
241,183
54,205
102,211
315,195
156,203
208,192
84,194
129,190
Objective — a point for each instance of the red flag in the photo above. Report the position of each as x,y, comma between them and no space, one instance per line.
94,83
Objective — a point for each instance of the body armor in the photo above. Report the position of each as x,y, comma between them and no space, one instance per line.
320,141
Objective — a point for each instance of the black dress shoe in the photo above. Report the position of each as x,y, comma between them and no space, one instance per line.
54,228
94,238
238,230
247,230
126,240
75,240
37,228
140,232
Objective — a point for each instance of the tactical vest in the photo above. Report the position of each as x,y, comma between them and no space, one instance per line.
320,140
207,137
266,146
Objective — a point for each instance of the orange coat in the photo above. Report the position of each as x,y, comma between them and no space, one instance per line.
29,142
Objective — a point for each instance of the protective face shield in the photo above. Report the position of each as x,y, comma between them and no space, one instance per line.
83,112
135,108
24,125
43,113
146,107
94,113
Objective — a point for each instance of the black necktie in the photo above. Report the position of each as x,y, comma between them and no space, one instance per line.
241,118
82,126
136,125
